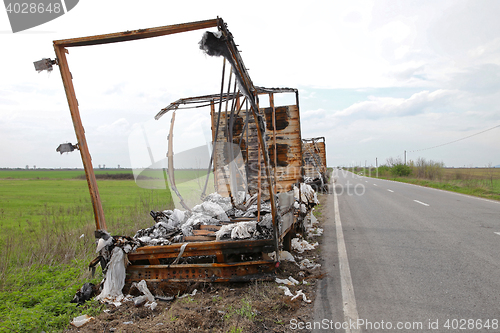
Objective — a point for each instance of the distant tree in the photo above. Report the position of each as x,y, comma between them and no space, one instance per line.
27,167
391,161
490,172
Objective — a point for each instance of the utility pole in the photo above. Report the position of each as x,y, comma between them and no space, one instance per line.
405,157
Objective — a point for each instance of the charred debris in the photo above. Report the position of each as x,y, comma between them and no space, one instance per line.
262,174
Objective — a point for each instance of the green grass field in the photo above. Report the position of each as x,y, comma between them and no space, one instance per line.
43,255
25,202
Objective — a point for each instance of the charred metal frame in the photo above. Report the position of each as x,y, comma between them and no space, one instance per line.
60,47
316,149
212,100
220,271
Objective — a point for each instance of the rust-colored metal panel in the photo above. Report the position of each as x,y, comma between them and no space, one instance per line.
226,262
235,272
314,156
288,147
137,34
202,248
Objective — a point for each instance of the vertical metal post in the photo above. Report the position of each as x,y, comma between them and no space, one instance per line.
259,183
271,104
100,222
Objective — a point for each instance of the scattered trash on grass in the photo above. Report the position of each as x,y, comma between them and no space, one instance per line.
143,288
186,295
304,298
302,245
315,231
299,293
165,298
307,264
284,255
151,305
287,291
85,293
81,320
285,281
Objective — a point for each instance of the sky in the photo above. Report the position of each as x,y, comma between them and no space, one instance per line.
375,78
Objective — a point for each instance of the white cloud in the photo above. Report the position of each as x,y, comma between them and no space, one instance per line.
378,107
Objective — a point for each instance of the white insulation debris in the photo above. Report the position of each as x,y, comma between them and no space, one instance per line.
81,320
285,281
102,243
284,255
301,245
307,264
186,295
304,298
171,226
115,279
314,231
307,195
299,293
240,230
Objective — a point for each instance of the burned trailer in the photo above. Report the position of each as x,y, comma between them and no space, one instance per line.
237,159
227,236
315,169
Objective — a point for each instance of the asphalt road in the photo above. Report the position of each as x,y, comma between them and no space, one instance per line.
415,260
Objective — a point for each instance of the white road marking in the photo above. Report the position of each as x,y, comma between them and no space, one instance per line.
348,299
422,203
375,184
390,190
366,181
498,233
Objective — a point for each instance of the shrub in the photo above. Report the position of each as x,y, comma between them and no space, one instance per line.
400,170
428,169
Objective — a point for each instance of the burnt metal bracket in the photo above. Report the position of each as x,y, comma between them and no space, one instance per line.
45,64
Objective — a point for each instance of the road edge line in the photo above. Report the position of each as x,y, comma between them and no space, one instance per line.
348,299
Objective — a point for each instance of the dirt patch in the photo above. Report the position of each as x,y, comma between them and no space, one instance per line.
111,176
222,307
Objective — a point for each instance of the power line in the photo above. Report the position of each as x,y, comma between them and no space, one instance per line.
444,144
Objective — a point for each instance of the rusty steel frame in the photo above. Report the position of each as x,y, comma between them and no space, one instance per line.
211,100
200,248
318,155
223,271
250,91
60,48
229,272
219,271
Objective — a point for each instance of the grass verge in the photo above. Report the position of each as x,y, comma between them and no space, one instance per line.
47,240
